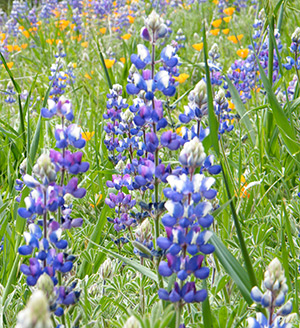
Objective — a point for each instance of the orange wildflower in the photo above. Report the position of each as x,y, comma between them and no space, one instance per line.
243,53
227,19
26,34
225,31
230,105
9,48
126,36
229,11
109,62
24,46
99,198
216,23
130,19
103,30
181,78
87,136
215,31
198,46
123,60
85,44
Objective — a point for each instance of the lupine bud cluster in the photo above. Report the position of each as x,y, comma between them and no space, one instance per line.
189,205
274,297
36,314
49,207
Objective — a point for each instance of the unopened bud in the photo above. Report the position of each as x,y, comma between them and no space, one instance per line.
192,154
296,35
36,313
45,284
132,322
105,270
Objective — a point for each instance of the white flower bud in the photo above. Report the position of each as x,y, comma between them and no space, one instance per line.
127,116
296,35
105,270
36,314
132,322
192,154
153,21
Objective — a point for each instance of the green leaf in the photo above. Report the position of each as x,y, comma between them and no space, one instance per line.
241,109
16,85
212,119
134,264
287,131
233,268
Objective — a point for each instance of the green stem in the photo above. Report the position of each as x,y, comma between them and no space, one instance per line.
178,315
63,318
142,291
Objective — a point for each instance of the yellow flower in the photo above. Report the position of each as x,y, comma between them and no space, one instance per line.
217,22
59,41
9,48
109,62
235,39
126,36
74,65
50,41
130,19
178,131
103,30
2,36
87,136
9,65
85,44
243,53
87,76
216,2
99,198
123,60
17,48
225,31
26,34
181,78
230,105
198,46
215,31
229,11
227,19
24,46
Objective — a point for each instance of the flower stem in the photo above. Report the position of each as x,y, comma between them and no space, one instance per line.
142,291
178,315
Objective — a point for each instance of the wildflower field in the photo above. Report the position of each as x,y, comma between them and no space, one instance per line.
149,163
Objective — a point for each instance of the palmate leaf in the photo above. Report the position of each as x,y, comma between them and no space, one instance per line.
233,268
134,264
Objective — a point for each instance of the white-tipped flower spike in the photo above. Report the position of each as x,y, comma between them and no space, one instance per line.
45,169
296,35
153,21
105,270
132,322
36,314
45,284
127,116
274,276
198,94
144,231
192,154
